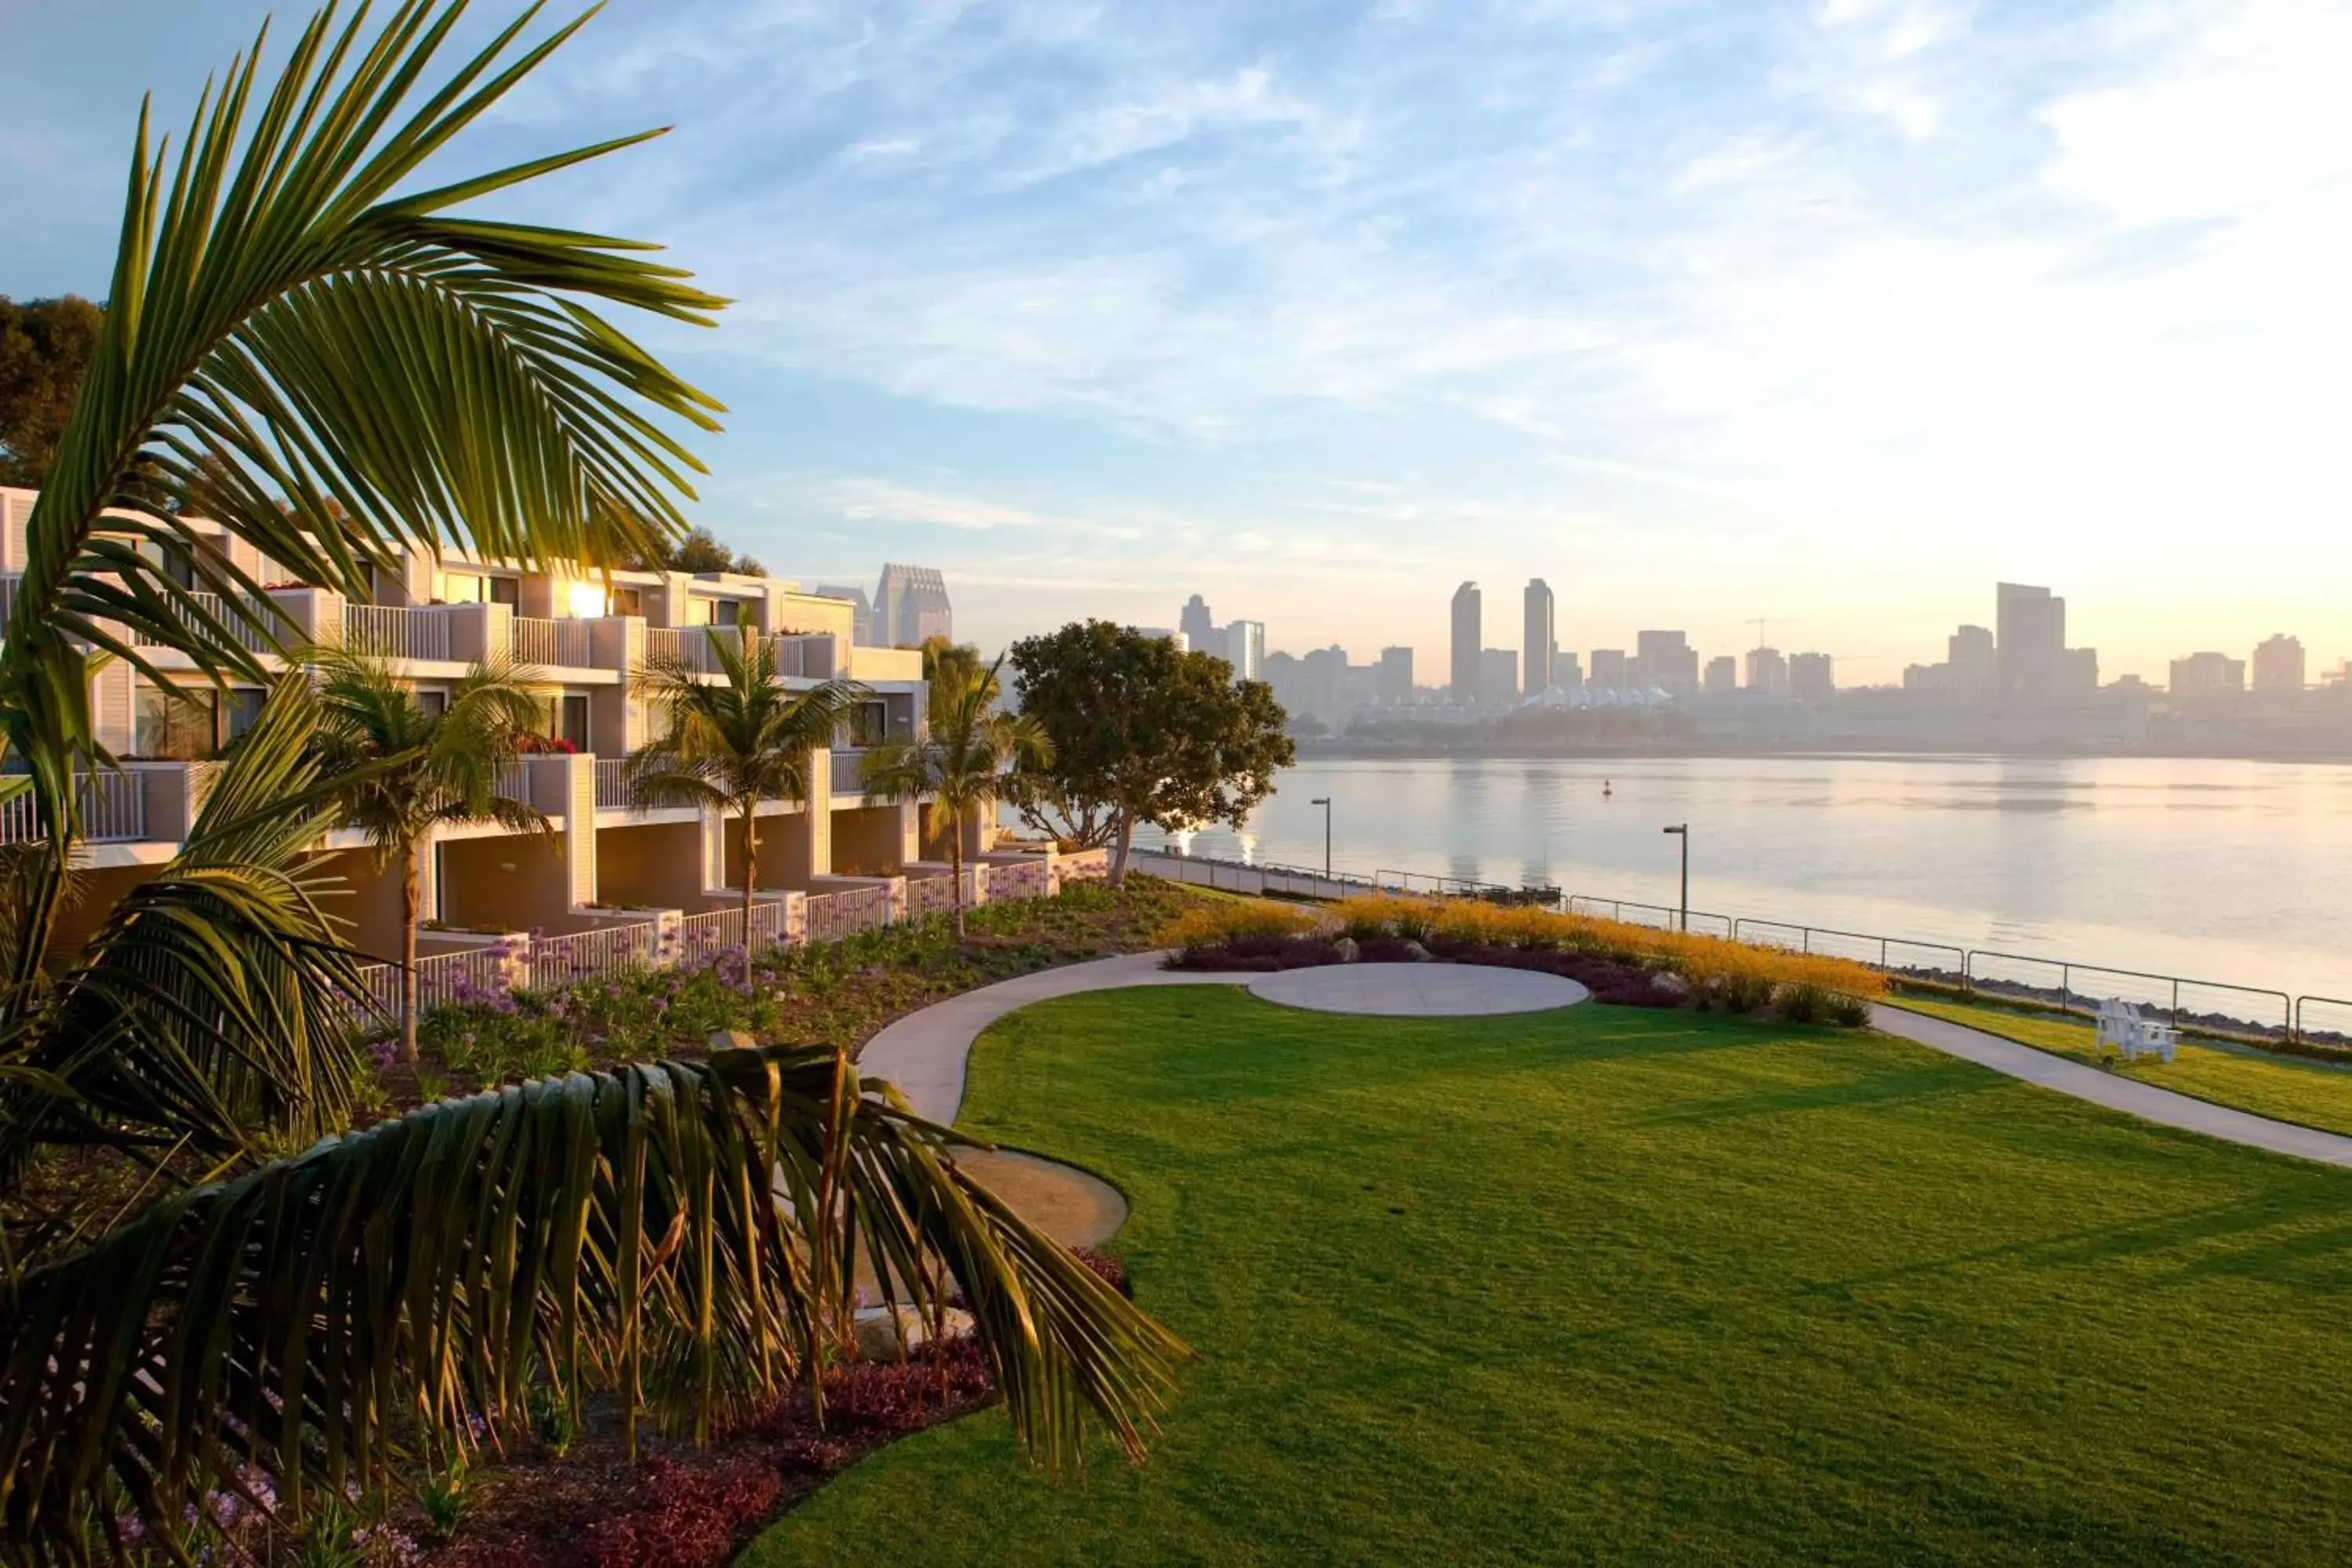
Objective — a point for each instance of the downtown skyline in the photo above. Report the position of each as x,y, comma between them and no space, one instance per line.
1072,303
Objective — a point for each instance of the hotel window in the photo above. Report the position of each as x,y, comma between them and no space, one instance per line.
628,601
869,725
567,719
432,703
507,591
702,613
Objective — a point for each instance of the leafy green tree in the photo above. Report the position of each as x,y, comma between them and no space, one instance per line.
411,771
697,552
376,373
966,764
746,738
1142,731
45,351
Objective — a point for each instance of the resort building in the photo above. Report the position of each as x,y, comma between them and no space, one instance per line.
578,635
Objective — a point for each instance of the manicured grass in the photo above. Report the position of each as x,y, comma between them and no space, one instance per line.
2291,1089
1623,1285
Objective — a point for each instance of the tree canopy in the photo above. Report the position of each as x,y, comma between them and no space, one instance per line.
45,351
1142,731
699,550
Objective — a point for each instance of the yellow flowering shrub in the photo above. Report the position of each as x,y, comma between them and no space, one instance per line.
1214,924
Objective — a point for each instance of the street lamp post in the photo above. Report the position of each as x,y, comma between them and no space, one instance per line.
1683,833
1325,801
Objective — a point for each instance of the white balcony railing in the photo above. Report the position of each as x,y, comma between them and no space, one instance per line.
8,581
849,771
804,658
513,781
551,644
113,811
251,624
612,785
397,631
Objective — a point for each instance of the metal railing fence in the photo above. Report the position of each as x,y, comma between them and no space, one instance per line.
545,643
397,631
113,808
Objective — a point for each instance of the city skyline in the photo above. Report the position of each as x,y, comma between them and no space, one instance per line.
1721,309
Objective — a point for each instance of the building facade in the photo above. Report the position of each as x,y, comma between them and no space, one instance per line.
1540,639
1722,676
1200,627
2206,674
576,636
2279,664
1812,677
1396,677
910,607
1244,645
1467,643
1498,674
1767,672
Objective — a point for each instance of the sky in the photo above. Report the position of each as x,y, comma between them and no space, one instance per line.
1829,313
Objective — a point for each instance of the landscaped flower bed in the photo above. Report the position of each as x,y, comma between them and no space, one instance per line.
1622,965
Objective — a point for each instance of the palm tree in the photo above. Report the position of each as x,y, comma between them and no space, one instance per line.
435,768
302,331
963,765
731,745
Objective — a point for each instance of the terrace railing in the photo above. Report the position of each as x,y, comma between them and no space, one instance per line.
849,770
834,916
113,811
397,631
1024,878
546,644
607,949
804,657
611,783
252,623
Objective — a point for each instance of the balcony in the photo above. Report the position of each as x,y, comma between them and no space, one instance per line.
804,657
849,771
612,785
250,623
551,644
113,811
393,631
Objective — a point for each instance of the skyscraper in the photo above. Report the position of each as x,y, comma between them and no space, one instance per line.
1498,674
1396,677
1767,672
1812,677
1198,627
1245,650
2031,624
911,605
2279,664
1467,634
2208,672
1722,676
1607,672
1537,641
1972,672
1568,673
1666,660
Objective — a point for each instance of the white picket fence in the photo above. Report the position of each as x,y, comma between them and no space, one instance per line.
582,953
830,917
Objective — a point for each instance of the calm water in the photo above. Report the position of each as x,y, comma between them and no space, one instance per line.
2230,871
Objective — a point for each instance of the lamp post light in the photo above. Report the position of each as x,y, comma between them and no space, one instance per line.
1683,833
1325,801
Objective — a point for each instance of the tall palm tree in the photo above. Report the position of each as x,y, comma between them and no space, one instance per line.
433,769
732,744
299,316
965,765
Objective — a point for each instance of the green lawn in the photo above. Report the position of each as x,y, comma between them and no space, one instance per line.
1620,1286
2291,1089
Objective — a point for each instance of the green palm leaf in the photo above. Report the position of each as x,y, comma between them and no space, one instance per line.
618,1229
212,1008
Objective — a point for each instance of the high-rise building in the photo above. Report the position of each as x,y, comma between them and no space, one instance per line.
1396,677
2203,673
2078,675
1537,641
1666,660
1198,625
2031,629
1465,643
1812,677
1972,672
1767,672
1607,672
1245,650
1323,682
2279,664
910,606
1498,674
861,631
1722,676
1568,673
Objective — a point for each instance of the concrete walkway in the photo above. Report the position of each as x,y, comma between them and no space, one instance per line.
1417,990
924,1054
2130,1096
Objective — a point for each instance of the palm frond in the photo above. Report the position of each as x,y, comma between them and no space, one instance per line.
337,371
213,1006
621,1226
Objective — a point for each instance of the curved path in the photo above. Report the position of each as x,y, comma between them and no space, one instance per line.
924,1054
2130,1096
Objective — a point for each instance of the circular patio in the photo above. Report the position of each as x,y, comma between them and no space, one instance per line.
1418,989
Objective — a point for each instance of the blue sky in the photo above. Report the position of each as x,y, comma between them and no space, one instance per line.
1831,312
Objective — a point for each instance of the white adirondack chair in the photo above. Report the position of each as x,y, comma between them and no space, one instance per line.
2122,1026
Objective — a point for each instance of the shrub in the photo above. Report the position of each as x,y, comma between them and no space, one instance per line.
1849,1012
1804,1003
689,1518
1221,924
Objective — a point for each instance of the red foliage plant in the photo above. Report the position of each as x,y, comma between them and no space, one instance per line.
689,1517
